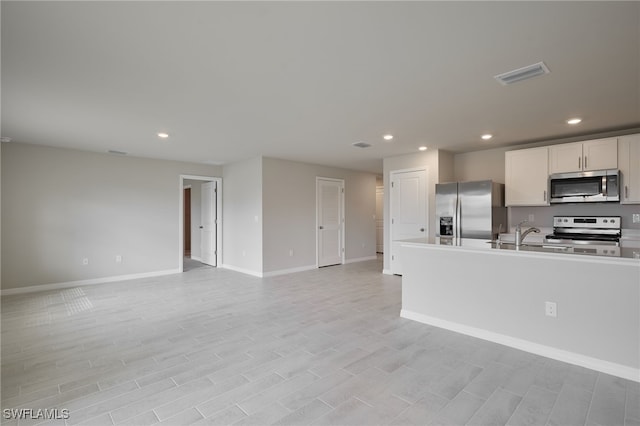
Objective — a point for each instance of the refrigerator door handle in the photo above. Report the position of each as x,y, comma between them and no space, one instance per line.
458,217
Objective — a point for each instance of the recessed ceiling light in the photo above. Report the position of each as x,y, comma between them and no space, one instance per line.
574,121
422,148
387,137
163,135
5,139
486,137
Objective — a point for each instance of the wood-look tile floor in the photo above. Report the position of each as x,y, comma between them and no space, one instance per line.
324,347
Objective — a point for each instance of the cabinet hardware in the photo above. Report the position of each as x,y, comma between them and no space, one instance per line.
626,191
544,196
579,163
585,162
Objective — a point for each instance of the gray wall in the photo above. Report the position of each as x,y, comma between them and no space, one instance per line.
62,205
480,165
242,216
289,210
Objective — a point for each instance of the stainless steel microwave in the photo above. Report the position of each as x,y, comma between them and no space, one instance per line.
596,186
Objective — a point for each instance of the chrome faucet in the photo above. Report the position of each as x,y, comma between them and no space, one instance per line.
520,235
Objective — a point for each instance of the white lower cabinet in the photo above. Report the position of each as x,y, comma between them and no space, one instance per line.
629,163
526,177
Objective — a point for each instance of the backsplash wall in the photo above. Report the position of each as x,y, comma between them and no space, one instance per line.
543,216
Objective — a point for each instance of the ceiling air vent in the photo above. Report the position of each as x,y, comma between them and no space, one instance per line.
113,151
520,74
361,144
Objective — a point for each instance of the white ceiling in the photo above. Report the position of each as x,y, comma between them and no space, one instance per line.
304,80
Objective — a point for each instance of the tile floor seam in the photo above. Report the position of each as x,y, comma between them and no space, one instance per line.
593,394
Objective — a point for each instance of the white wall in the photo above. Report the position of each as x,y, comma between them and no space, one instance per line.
61,205
242,216
289,209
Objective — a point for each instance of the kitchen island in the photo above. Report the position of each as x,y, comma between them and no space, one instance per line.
499,293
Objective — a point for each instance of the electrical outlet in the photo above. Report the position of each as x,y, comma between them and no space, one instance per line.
636,218
85,261
531,218
551,309
118,258
291,253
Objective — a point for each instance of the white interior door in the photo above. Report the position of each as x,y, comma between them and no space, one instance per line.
408,211
208,223
330,218
379,219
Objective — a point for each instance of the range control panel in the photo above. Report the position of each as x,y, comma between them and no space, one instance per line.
600,222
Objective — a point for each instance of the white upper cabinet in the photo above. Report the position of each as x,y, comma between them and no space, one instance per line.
526,177
565,158
597,154
600,154
629,163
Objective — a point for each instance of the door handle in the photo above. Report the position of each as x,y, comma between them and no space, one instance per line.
201,227
421,229
320,227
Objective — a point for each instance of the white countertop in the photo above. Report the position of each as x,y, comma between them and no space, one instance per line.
626,255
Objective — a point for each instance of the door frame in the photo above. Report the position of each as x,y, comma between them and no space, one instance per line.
342,225
218,181
392,173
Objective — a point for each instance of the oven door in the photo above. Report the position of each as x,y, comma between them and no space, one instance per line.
597,186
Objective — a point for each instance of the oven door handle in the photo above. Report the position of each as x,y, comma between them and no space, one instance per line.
604,187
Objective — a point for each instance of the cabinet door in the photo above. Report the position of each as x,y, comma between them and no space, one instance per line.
526,177
629,163
565,158
600,154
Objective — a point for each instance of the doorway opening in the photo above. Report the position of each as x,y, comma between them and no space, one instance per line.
200,222
379,215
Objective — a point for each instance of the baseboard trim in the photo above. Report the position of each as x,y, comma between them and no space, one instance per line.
242,270
196,258
387,272
289,271
603,366
92,281
360,259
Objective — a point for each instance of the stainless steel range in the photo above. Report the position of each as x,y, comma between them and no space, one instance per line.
588,234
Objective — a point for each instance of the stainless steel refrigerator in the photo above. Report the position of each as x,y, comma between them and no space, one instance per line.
470,210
